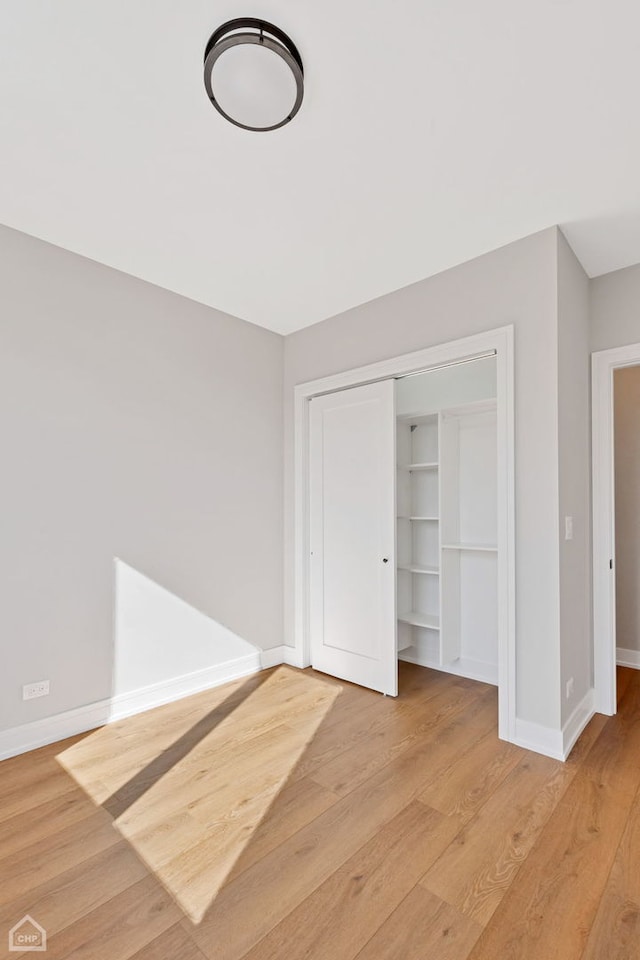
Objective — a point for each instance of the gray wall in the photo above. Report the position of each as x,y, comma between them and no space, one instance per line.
134,424
514,285
574,421
627,466
615,309
140,425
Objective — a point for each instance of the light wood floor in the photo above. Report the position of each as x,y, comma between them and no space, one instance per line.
291,816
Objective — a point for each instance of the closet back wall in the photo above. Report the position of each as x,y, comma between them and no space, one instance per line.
135,424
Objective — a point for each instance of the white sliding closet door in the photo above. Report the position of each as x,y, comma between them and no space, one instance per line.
352,505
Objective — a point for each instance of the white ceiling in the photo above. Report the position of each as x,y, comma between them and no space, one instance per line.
431,132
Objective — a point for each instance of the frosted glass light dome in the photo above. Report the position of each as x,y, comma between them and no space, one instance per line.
253,74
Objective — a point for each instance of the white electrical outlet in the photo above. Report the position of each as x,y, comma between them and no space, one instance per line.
568,528
569,687
32,690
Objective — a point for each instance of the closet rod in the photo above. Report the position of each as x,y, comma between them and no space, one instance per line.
452,363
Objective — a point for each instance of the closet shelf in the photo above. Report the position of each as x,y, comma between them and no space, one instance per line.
432,465
433,519
420,620
487,547
446,501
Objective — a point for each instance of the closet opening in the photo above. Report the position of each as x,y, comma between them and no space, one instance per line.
616,518
404,518
626,461
447,516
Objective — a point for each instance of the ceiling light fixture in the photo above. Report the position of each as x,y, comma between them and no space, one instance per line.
253,74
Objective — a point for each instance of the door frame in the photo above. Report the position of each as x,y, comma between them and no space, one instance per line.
498,342
603,365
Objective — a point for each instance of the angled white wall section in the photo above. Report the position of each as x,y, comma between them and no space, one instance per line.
159,637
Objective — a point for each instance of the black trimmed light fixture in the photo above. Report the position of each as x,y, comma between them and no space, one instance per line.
253,74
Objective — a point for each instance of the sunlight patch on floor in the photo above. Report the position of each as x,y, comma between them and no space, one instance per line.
190,810
105,760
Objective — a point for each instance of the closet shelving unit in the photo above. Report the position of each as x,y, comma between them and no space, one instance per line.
418,527
446,540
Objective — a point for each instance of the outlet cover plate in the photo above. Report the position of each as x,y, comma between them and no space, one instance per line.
32,690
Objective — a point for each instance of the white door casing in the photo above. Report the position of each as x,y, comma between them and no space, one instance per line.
603,365
352,535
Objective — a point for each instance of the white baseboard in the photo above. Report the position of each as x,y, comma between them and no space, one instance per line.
292,657
628,658
545,740
127,704
272,657
471,669
282,654
556,743
577,722
38,733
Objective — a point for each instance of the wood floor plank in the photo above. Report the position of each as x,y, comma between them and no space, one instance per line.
285,877
387,741
624,677
320,859
210,778
16,774
549,913
464,788
22,793
173,944
280,881
335,738
172,720
297,805
353,720
423,928
340,916
248,730
118,929
191,824
66,898
416,683
127,769
474,873
37,823
49,857
616,931
587,739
